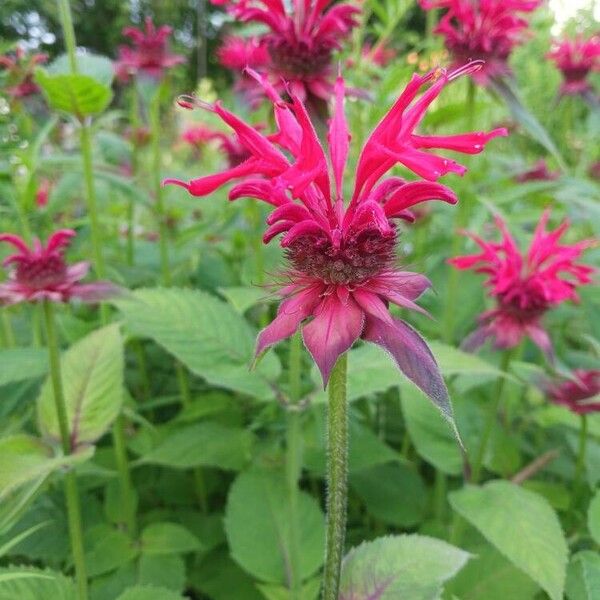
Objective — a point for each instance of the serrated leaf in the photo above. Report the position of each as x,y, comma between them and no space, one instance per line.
257,524
78,95
168,538
149,592
202,332
92,375
27,583
522,526
25,459
21,364
583,576
411,567
96,66
162,570
203,444
243,298
110,549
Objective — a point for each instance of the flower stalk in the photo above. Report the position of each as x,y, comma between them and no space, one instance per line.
71,491
337,477
581,454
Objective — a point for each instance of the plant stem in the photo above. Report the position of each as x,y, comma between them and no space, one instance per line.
71,491
294,464
337,478
8,334
134,119
491,418
580,466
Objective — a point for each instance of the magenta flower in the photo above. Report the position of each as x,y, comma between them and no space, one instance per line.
230,146
42,194
299,45
197,135
485,30
576,59
538,172
579,394
525,286
342,273
149,54
19,69
41,273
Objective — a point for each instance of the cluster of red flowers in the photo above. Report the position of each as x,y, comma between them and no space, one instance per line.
342,274
19,69
295,52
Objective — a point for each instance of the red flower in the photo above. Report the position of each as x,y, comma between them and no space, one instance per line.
197,135
380,55
230,146
525,286
342,273
149,55
482,30
19,68
579,394
538,172
40,273
576,59
298,47
42,194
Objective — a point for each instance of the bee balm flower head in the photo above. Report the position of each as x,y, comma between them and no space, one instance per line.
19,68
576,59
341,255
149,54
485,30
579,394
41,273
525,286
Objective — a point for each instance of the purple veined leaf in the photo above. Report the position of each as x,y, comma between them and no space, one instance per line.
414,358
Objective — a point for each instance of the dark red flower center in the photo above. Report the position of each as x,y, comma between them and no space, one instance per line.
299,59
359,256
42,272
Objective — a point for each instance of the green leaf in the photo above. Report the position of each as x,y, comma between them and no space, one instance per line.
203,444
243,298
411,567
310,591
593,517
429,432
96,66
149,592
168,538
257,524
162,570
17,539
489,576
393,493
25,459
583,576
204,333
92,375
21,364
522,526
110,549
77,95
27,583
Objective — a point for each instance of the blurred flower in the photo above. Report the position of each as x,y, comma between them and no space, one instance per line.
576,59
579,394
199,135
594,170
538,172
380,55
297,49
341,256
482,30
149,55
525,286
139,136
19,69
42,193
41,273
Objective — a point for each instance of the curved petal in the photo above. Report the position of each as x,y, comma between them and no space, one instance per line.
334,329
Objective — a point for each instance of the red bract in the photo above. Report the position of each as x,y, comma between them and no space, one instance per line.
576,59
149,55
342,273
579,394
298,47
19,68
482,30
538,172
525,286
41,273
